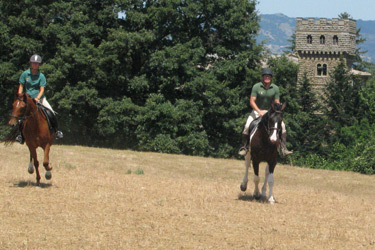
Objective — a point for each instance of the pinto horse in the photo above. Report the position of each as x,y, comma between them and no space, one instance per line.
35,130
264,142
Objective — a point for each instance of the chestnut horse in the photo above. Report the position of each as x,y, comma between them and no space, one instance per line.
35,131
264,142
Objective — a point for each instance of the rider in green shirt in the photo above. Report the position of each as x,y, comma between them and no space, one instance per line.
262,96
33,82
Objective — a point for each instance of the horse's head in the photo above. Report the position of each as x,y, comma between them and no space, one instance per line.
274,119
19,109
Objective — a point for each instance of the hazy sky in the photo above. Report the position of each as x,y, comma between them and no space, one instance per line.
358,9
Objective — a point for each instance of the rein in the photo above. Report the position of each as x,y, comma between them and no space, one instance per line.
23,118
266,124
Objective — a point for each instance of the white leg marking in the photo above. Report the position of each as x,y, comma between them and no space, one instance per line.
245,178
31,167
274,133
270,183
264,188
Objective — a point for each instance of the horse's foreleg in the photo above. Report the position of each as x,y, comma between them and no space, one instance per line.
270,184
264,188
247,165
36,163
256,179
46,162
30,169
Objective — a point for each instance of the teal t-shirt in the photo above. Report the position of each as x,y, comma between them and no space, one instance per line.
32,83
265,97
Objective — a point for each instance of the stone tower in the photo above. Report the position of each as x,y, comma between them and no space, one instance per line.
319,45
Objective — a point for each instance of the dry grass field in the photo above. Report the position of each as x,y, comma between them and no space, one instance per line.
180,202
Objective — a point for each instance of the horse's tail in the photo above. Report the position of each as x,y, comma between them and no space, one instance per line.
11,136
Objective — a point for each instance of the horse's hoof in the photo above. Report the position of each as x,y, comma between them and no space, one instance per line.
30,170
271,200
48,175
243,187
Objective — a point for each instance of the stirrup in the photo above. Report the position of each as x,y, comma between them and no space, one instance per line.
243,151
20,139
59,134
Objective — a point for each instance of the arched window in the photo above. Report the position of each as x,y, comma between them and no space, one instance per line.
322,39
324,69
309,39
319,69
335,40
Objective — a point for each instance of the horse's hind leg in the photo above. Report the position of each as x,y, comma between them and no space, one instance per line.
36,163
247,165
46,162
264,188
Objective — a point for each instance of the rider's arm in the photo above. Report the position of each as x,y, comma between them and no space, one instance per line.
41,91
255,106
277,101
20,89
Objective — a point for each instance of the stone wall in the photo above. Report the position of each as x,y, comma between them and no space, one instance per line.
329,53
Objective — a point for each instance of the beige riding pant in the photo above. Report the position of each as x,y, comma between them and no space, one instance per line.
255,115
44,102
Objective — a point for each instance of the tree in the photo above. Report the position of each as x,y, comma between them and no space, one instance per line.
171,76
358,62
342,101
292,47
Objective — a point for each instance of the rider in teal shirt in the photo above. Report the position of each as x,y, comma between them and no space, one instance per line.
33,82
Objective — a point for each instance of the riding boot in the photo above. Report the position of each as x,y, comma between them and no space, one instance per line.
55,126
283,150
245,145
20,137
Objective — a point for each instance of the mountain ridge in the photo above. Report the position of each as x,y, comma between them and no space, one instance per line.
277,29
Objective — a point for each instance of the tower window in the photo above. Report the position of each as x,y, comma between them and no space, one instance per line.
324,69
335,40
309,39
321,70
322,39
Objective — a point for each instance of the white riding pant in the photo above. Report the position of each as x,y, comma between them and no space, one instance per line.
44,102
255,115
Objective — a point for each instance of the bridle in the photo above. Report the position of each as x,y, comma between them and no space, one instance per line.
23,118
271,129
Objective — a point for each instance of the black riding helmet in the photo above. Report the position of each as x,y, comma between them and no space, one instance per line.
267,71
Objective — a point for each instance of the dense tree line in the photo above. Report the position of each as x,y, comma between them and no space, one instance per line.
169,76
173,76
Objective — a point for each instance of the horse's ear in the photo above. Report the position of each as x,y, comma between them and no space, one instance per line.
273,106
283,106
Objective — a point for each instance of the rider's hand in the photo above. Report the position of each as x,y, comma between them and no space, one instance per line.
36,99
261,113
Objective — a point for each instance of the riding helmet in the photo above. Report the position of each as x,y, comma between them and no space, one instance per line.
267,71
36,58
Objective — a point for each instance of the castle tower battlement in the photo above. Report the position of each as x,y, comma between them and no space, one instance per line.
336,36
320,43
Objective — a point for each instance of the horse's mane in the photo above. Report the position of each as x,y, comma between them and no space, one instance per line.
10,138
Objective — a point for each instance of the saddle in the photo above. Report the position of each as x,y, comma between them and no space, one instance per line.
254,124
50,117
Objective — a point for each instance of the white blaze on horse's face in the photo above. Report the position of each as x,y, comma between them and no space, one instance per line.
274,133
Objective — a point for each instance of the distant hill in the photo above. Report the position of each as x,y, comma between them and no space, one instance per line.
277,29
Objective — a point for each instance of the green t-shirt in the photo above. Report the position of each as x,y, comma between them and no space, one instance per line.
265,97
32,83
